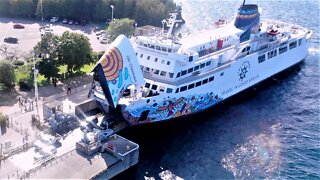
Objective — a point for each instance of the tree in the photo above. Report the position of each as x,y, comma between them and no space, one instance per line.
7,77
74,50
152,11
22,8
121,26
47,51
5,8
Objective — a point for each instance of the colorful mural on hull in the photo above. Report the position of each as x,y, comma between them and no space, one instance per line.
171,108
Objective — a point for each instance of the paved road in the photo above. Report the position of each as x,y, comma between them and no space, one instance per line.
29,36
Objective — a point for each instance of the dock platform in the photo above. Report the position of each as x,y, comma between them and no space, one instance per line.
119,155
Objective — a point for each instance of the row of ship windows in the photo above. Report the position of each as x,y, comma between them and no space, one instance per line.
197,84
155,88
157,72
181,89
171,75
155,59
151,46
282,49
190,70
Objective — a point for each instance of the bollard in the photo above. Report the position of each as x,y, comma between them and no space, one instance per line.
128,147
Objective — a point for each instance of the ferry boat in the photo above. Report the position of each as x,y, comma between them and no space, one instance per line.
162,77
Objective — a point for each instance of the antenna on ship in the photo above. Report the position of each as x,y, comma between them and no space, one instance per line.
244,1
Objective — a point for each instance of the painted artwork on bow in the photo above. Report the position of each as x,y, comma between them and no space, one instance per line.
117,69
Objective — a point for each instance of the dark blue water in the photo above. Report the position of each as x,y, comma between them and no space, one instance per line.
270,133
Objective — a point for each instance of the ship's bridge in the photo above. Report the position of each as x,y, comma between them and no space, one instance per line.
209,37
157,43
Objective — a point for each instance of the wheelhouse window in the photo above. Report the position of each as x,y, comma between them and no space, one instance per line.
198,84
154,87
148,57
202,65
190,70
178,75
191,86
171,75
293,45
211,78
196,68
183,72
205,81
157,47
147,85
300,41
163,73
261,58
156,72
168,62
208,63
183,88
169,90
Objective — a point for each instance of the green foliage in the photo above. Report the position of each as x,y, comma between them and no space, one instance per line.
24,76
25,84
144,11
17,62
74,50
121,26
47,52
5,8
22,8
7,76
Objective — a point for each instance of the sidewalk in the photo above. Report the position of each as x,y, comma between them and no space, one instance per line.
9,102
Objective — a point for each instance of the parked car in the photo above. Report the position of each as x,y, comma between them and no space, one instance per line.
10,39
101,33
104,40
65,21
18,26
70,22
54,19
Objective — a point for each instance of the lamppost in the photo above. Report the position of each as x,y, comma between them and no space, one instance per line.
135,28
163,22
35,75
111,12
41,10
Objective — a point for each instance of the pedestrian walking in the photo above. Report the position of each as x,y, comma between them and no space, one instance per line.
69,90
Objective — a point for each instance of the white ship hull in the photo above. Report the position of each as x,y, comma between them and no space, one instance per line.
221,88
165,78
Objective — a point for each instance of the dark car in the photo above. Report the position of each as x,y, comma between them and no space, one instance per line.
10,40
18,26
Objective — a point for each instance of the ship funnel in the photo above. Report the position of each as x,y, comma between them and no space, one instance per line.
117,69
247,18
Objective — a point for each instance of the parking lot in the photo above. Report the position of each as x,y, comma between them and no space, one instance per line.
30,35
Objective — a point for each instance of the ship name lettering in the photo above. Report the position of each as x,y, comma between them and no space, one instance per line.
131,68
240,85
